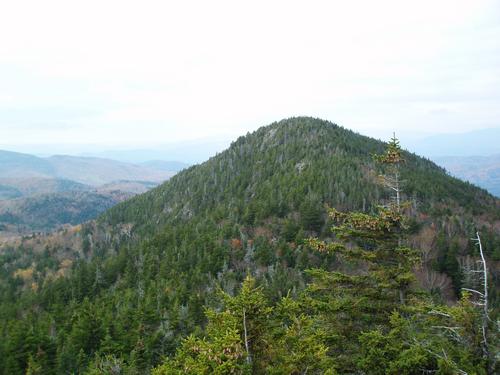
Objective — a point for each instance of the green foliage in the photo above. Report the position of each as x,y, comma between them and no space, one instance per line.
249,336
349,303
446,262
109,365
140,289
46,212
393,154
234,341
311,216
442,339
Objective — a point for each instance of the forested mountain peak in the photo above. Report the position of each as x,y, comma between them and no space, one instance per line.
125,291
279,167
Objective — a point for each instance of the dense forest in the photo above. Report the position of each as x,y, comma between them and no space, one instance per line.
48,211
284,254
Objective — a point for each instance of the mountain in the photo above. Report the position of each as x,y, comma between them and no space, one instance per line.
15,165
126,289
481,142
89,171
41,194
32,204
40,204
277,169
192,152
96,171
134,187
45,212
483,171
163,165
21,187
474,155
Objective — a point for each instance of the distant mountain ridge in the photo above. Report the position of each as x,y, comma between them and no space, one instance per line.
484,171
192,152
11,188
481,142
90,171
46,212
42,204
163,165
43,193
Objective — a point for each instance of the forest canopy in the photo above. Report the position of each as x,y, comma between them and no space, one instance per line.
288,253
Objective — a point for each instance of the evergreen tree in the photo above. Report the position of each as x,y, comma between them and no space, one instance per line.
130,286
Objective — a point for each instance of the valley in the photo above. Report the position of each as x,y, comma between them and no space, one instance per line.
42,194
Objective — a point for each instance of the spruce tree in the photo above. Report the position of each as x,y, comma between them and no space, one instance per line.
376,274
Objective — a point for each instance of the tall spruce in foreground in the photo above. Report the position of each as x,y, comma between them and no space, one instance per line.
376,277
379,321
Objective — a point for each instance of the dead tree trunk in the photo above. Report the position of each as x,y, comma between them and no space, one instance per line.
482,273
249,357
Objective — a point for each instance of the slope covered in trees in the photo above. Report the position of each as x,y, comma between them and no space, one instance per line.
132,285
44,205
41,194
277,168
23,187
48,211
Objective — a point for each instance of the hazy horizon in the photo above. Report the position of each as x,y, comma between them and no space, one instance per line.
482,142
118,75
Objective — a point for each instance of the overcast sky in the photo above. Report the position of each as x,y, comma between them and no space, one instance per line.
142,73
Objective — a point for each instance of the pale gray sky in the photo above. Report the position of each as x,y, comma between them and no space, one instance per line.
142,73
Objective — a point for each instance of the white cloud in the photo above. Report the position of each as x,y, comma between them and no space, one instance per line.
130,72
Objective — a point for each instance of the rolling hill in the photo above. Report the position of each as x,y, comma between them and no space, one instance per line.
45,212
41,194
84,170
167,166
37,204
131,285
29,186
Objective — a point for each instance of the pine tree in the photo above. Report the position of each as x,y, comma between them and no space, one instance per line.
377,268
385,324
